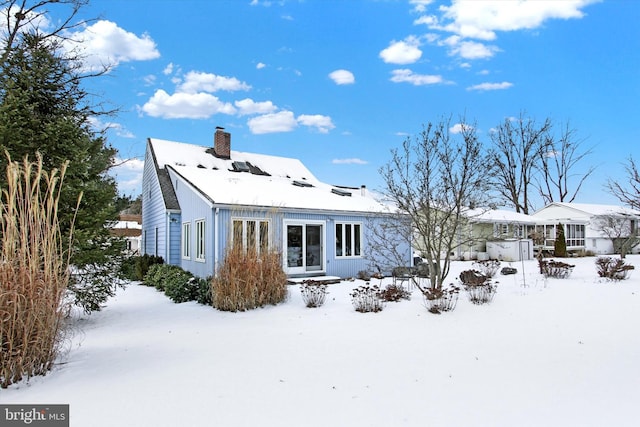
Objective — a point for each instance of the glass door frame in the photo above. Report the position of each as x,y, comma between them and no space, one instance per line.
303,269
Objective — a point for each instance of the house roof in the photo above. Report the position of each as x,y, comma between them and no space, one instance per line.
250,179
589,210
500,216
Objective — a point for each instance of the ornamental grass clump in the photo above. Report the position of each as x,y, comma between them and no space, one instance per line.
249,279
34,272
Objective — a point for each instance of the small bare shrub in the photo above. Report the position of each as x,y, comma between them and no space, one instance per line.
555,269
313,293
249,279
487,267
364,275
395,293
438,300
613,268
34,272
481,294
472,278
367,299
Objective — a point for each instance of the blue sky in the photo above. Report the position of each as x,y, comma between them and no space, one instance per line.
338,84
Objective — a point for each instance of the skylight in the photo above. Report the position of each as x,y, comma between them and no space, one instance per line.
340,192
240,166
301,184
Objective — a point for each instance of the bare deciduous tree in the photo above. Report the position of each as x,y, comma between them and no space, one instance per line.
514,158
627,194
31,16
433,179
558,181
621,230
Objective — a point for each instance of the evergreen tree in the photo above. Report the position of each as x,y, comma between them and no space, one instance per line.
560,244
43,108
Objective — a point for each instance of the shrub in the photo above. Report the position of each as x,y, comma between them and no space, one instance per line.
394,293
364,275
367,299
203,290
555,269
487,267
248,279
180,286
155,276
472,278
613,268
438,300
313,293
481,294
143,263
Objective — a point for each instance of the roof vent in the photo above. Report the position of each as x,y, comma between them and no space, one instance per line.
340,192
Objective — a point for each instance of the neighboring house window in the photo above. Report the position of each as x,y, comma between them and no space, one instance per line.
186,240
518,231
251,233
348,239
200,239
574,234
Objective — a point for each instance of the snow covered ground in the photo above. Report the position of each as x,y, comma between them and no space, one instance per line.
544,353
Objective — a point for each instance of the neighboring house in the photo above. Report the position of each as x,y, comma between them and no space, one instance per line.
497,234
130,227
587,227
196,199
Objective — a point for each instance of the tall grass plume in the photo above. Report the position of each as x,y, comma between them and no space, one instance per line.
34,271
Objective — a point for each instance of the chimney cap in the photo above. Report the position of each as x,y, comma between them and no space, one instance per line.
219,127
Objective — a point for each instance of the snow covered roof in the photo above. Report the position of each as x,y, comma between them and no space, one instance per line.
251,179
500,216
589,210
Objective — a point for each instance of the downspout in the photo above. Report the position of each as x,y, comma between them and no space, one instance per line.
215,240
167,233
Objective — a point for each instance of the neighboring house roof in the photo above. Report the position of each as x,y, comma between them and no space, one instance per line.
584,211
249,179
127,226
500,216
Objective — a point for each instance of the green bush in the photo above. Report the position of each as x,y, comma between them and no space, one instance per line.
156,275
203,291
142,265
180,286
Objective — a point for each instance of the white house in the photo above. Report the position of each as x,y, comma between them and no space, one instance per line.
587,227
197,198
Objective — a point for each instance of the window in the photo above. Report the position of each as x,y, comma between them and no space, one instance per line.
574,235
251,233
348,239
200,240
186,240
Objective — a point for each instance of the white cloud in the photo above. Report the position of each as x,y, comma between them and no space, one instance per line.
168,69
196,81
283,121
352,161
342,77
249,106
322,123
420,5
459,127
490,86
260,65
408,76
468,49
403,52
106,44
481,19
185,105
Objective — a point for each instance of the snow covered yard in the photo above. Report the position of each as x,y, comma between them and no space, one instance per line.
544,353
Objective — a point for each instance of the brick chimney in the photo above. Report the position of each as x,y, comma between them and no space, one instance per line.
222,143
